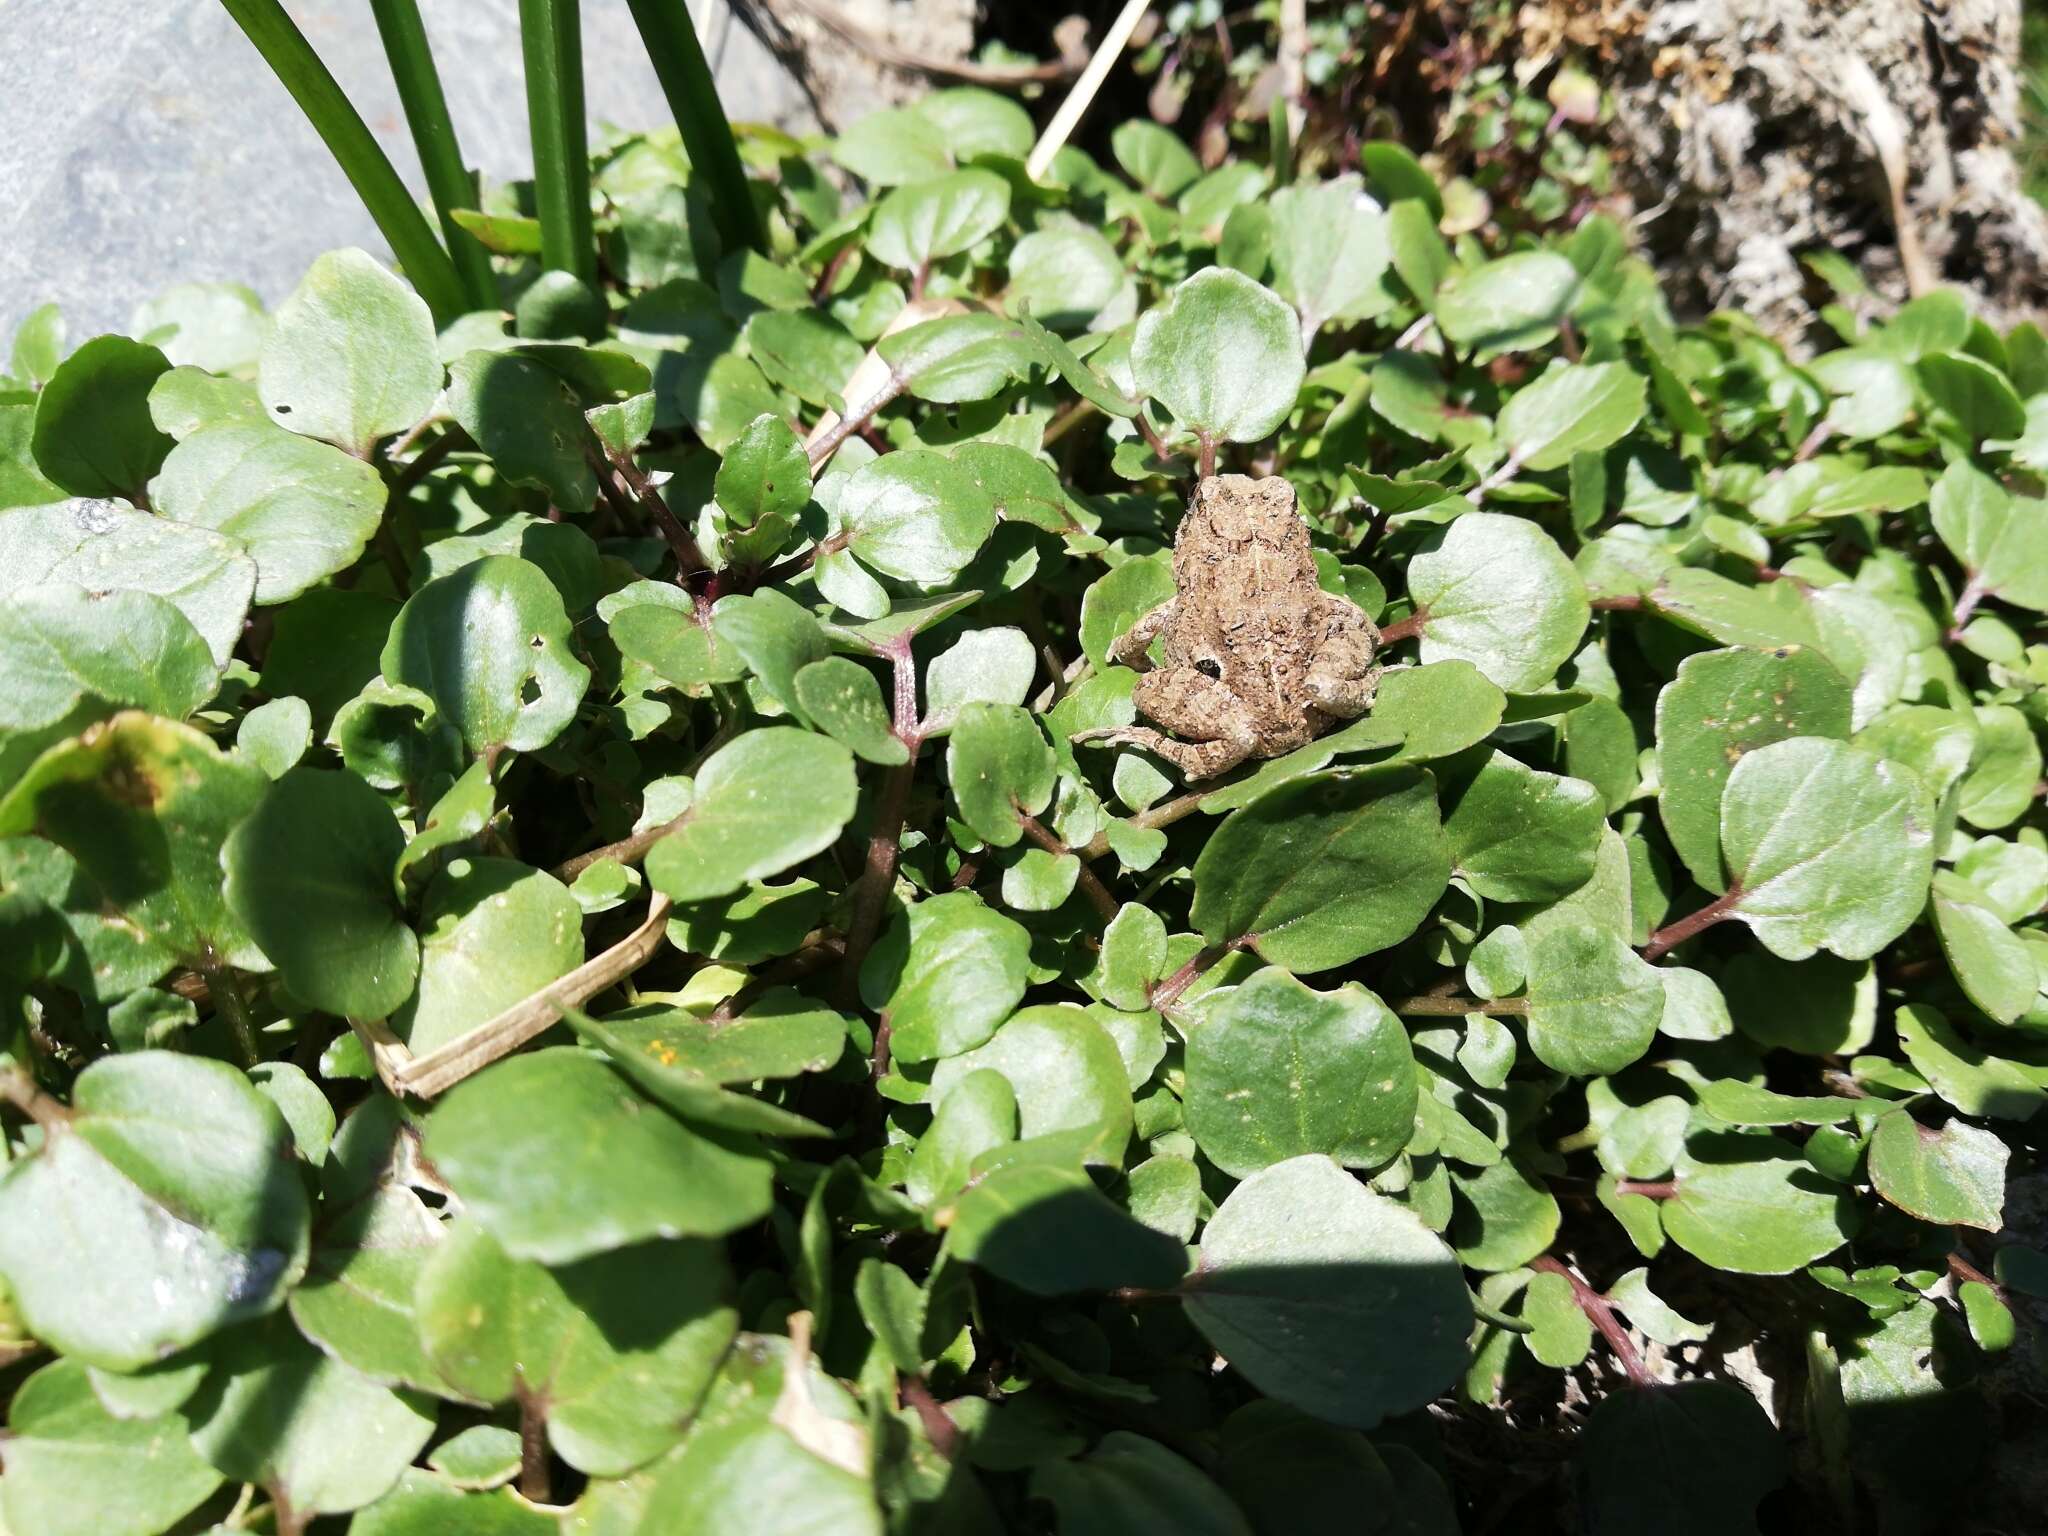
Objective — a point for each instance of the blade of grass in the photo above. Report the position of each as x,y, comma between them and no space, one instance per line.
398,218
685,78
551,39
433,135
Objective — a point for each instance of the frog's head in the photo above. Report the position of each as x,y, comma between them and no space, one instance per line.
1238,509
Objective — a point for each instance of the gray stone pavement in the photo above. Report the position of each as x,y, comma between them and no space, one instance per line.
145,143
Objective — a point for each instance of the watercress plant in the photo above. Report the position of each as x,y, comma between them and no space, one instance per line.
557,934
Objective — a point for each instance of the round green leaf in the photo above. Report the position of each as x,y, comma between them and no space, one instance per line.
303,510
421,1504
1325,869
351,357
311,872
168,1207
1496,591
927,221
1690,1459
1517,834
1513,304
1963,1073
1066,1071
529,421
1952,1177
2001,540
560,1159
764,801
1066,274
1751,1205
1573,408
1153,157
493,933
1722,706
490,645
1829,846
321,1437
947,973
73,1469
93,432
1981,399
1131,1484
1329,251
1045,1228
1275,1070
1503,1216
1328,1296
915,515
1223,354
842,698
616,1350
1000,766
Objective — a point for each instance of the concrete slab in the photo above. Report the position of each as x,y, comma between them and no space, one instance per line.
145,143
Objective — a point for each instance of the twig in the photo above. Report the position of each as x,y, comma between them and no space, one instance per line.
939,1427
1068,117
20,1090
1404,629
535,1482
1649,1189
1437,1005
442,1068
885,841
1096,892
1671,935
1600,1313
1292,60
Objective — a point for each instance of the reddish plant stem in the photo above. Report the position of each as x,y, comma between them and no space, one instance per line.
878,1058
1434,1005
1671,935
1600,1313
1621,602
830,275
795,565
871,894
1168,992
1966,604
1096,892
1152,438
535,1483
1965,1272
1404,629
1205,463
856,420
939,1427
20,1090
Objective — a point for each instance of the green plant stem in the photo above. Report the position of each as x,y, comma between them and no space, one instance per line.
226,990
433,135
292,59
551,40
685,77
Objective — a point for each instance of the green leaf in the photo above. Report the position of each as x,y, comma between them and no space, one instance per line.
1594,1004
1001,768
946,974
275,735
765,474
804,352
1504,1216
1153,157
1954,1176
979,1114
915,515
929,220
616,1350
1994,965
1323,870
842,698
1131,1486
93,431
1520,835
2005,769
303,510
1292,1473
311,873
559,1159
351,357
321,1437
742,824
1513,304
1065,274
103,547
74,1469
166,1208
1749,1204
1223,354
1963,1073
1330,1297
1497,591
1118,599
1976,394
983,666
1722,706
1275,1070
891,146
1691,1459
1573,408
1560,1336
493,932
2001,540
144,806
420,1504
529,421
1067,1073
1044,1228
1330,251
1829,847
490,644
781,1033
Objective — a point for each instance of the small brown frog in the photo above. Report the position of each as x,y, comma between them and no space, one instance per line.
1259,660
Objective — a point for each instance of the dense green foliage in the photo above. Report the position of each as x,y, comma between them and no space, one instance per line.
554,926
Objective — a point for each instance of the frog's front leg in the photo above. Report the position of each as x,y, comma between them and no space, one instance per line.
1195,759
1342,679
1129,648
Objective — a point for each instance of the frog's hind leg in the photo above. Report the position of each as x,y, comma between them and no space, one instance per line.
1342,680
1195,759
1129,648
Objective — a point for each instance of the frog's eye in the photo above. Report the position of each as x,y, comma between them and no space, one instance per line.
1208,668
